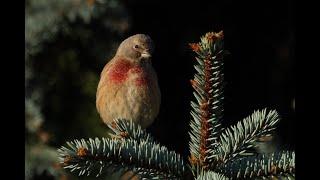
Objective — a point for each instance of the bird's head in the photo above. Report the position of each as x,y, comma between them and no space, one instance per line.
136,47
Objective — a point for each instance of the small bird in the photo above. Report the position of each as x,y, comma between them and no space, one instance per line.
128,86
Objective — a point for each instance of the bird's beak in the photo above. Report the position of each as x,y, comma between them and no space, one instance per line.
146,54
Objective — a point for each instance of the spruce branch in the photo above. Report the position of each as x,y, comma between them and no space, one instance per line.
280,165
205,175
98,157
129,130
239,138
207,111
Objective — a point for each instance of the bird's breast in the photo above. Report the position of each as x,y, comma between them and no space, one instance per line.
125,71
139,76
118,72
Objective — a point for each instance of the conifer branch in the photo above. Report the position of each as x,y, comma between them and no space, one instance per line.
207,111
280,165
98,157
206,175
129,130
239,138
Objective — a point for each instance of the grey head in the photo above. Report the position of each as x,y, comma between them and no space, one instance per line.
136,47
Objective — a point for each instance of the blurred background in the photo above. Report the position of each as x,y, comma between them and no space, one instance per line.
68,42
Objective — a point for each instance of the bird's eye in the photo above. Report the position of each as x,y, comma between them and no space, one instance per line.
136,46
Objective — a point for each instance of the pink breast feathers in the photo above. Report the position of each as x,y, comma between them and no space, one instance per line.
142,77
119,73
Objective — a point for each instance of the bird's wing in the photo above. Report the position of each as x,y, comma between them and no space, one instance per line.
102,84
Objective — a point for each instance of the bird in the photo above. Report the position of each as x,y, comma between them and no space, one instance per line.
128,87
